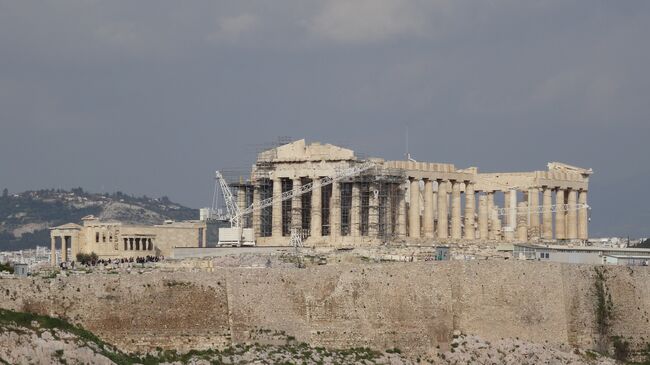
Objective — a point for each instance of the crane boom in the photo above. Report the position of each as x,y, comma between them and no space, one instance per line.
543,208
233,209
236,235
317,183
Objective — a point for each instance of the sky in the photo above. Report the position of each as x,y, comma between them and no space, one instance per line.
152,96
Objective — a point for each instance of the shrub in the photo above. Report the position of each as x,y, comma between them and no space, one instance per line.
85,258
7,267
621,349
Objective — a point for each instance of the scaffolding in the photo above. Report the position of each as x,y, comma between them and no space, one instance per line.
374,215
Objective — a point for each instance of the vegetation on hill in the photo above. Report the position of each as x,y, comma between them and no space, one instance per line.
31,326
26,217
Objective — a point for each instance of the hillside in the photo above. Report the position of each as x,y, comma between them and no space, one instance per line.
37,339
26,217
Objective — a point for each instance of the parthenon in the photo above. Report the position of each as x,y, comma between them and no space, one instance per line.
409,201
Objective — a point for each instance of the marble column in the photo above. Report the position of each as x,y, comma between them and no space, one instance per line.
490,206
257,214
241,202
428,208
583,216
53,250
560,212
572,215
506,207
443,225
355,211
490,201
276,218
512,212
547,213
316,226
456,227
533,203
373,210
522,222
74,243
495,224
64,248
434,203
482,217
335,212
387,218
296,205
401,211
414,208
510,230
241,197
470,207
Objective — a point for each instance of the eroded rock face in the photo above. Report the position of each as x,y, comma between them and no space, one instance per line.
469,349
412,306
33,345
23,345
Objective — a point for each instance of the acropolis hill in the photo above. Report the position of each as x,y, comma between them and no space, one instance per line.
367,273
416,307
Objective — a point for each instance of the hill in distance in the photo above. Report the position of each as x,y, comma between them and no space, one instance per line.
25,218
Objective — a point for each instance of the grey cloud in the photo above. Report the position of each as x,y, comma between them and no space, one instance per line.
151,97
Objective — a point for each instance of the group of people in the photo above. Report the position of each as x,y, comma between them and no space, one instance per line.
114,263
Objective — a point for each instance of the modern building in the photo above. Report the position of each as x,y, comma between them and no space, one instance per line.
21,269
583,254
409,201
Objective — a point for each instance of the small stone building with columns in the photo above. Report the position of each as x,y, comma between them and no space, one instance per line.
119,240
409,201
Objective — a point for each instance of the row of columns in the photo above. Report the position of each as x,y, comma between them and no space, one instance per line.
66,242
521,220
442,205
130,244
138,244
316,218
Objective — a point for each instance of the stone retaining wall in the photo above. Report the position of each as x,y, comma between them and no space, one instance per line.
412,306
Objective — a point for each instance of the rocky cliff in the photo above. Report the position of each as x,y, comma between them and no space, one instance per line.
415,307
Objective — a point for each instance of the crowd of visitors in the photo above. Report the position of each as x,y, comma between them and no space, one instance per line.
91,261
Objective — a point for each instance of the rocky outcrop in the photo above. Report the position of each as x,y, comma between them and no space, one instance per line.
412,306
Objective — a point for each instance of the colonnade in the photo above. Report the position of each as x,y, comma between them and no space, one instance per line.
138,244
330,212
66,242
444,217
422,208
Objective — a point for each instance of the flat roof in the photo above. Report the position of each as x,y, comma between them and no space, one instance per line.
585,248
628,257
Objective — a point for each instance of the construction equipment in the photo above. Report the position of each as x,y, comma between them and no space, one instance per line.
236,235
541,208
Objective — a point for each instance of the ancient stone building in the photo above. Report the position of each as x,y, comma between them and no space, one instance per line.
408,201
118,240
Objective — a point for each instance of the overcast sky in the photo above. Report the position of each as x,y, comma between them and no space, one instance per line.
150,97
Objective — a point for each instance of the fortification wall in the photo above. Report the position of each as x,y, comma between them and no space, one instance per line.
412,306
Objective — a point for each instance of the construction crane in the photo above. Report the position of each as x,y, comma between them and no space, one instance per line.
542,208
233,209
236,235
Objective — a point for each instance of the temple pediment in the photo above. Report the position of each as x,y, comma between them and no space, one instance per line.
68,226
301,151
559,166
